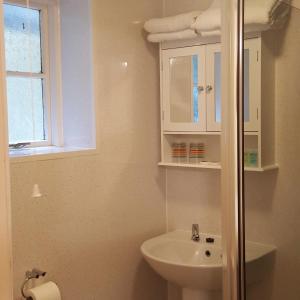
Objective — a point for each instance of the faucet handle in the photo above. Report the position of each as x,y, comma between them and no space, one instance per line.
195,233
195,227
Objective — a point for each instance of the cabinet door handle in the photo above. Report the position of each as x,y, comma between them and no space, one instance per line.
209,88
200,88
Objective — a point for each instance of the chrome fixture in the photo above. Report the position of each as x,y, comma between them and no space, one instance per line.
33,274
200,88
195,233
232,181
209,88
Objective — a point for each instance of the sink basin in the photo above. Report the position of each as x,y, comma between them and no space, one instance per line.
198,265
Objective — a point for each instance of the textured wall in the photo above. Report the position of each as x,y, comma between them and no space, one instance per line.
272,198
172,7
97,210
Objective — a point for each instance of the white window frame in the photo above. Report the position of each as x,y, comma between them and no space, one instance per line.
52,95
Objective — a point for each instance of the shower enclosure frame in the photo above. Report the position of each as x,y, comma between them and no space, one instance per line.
6,278
232,160
232,149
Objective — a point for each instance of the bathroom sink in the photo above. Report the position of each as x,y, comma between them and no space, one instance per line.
198,265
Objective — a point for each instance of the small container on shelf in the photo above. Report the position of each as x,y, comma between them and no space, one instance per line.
251,157
196,153
179,153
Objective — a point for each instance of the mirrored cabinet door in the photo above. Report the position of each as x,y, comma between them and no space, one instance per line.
251,85
184,89
213,87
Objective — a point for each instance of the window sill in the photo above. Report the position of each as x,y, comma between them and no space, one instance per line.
48,153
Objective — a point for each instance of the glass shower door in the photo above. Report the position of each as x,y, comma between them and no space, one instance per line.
272,207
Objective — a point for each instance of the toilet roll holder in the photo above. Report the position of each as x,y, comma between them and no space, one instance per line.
33,274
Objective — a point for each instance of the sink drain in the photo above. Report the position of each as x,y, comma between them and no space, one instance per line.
207,253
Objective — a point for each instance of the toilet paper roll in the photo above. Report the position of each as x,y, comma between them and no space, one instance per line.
46,291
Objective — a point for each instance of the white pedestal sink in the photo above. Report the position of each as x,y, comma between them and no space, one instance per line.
197,266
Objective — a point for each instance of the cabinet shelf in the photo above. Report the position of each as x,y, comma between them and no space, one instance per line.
262,169
215,166
255,133
203,165
248,133
191,105
192,133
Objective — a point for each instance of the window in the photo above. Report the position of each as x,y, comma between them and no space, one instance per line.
49,75
27,73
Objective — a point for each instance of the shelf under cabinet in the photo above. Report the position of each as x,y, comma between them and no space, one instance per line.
203,133
203,165
215,166
262,169
191,133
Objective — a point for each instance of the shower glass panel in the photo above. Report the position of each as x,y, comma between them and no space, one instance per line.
272,209
217,84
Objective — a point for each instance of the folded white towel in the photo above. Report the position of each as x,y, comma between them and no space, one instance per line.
171,24
263,13
172,36
248,28
211,33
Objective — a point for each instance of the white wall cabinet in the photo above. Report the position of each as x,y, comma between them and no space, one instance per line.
191,103
191,87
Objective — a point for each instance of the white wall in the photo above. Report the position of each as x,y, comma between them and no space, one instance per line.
173,7
77,73
97,210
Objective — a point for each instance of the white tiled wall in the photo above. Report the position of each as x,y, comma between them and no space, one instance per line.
97,210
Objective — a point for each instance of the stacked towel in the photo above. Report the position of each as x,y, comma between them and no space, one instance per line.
172,36
171,24
259,16
172,28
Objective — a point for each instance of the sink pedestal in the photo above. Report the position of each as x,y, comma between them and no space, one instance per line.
188,294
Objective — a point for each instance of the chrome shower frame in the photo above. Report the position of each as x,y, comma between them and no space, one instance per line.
232,183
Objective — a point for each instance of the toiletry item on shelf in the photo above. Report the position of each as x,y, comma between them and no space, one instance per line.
197,152
179,152
251,157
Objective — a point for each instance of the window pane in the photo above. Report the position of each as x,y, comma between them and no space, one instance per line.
22,39
25,110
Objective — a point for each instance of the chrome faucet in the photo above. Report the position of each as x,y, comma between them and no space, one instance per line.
195,233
